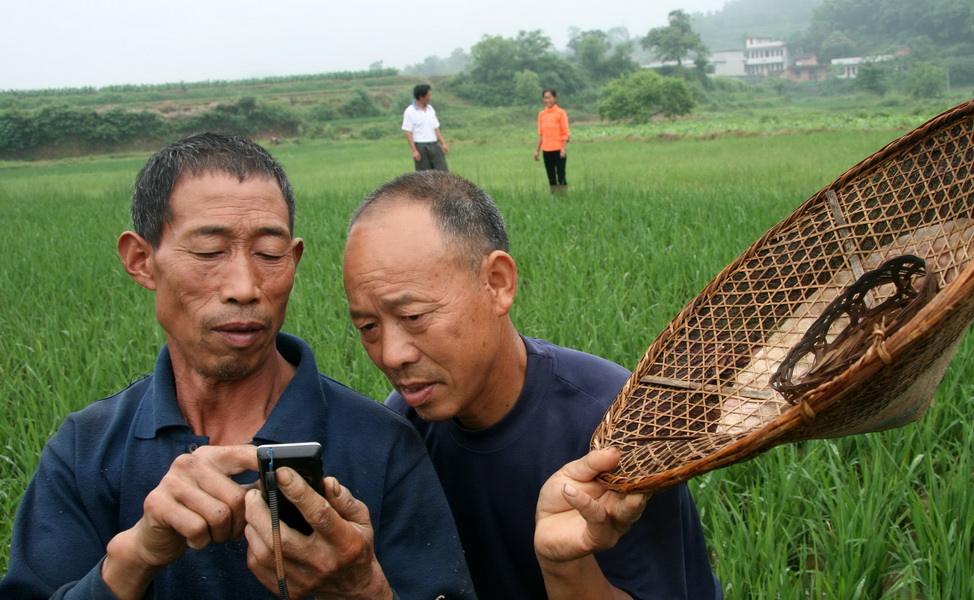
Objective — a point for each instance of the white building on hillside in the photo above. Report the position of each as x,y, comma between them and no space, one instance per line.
763,57
728,63
848,68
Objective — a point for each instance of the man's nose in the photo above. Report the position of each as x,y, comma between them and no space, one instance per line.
398,348
240,281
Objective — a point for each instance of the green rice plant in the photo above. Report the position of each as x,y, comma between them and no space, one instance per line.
646,224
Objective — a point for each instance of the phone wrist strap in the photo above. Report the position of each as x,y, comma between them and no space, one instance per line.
272,492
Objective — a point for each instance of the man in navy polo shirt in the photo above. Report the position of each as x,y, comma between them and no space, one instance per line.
506,418
141,494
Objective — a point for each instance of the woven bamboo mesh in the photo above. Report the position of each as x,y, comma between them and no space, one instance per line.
702,396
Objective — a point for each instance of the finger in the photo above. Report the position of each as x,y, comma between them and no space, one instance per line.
593,512
212,479
592,464
624,510
216,514
316,509
345,504
230,459
187,523
260,558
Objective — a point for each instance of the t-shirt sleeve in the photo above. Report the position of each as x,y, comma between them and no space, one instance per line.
55,550
564,126
436,121
407,122
664,555
416,539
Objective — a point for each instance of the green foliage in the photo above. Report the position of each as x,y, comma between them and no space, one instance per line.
837,45
727,28
641,96
926,81
873,77
61,125
879,24
246,116
433,66
885,515
323,112
496,60
961,70
677,41
527,87
359,104
601,58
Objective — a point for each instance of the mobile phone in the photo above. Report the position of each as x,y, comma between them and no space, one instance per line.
305,458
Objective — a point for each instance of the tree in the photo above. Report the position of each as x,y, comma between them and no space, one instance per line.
872,77
644,94
837,45
676,41
926,81
527,87
601,57
495,60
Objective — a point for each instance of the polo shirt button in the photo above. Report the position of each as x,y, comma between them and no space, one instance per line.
192,447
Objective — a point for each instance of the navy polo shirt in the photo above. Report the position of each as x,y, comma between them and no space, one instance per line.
96,471
492,477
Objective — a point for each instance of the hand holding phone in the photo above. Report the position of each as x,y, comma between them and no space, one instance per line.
305,459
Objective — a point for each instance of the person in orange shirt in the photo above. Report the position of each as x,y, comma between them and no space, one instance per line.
553,135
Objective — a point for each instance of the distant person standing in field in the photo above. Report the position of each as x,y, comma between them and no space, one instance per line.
423,132
553,136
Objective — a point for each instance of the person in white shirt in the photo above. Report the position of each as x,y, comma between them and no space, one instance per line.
423,132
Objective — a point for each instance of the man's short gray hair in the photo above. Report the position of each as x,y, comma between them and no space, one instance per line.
460,209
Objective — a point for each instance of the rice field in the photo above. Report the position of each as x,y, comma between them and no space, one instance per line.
644,228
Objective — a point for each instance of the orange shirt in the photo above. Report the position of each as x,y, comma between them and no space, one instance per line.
553,128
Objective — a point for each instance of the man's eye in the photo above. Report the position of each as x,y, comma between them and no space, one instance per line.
207,254
269,256
413,318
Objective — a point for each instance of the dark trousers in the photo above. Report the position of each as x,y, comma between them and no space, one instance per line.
430,157
554,165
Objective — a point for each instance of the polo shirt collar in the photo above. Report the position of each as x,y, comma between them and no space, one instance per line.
300,414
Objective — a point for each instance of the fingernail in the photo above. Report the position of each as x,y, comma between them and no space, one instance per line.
569,490
336,488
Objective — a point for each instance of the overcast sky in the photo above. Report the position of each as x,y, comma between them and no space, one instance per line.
70,43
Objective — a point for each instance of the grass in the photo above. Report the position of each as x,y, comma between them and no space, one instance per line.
646,225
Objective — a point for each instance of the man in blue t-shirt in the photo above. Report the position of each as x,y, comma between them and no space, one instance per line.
506,419
144,494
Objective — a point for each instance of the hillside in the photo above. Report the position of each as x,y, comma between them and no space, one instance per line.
727,28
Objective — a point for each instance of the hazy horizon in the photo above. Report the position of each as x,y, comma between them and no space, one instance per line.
59,44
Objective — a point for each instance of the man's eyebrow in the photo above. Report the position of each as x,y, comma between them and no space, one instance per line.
391,303
222,231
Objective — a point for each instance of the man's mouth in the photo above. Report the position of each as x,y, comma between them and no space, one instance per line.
415,393
240,334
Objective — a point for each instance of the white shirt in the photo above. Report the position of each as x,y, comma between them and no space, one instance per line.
421,123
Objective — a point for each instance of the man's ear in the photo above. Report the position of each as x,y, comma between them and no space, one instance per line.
136,256
500,272
297,250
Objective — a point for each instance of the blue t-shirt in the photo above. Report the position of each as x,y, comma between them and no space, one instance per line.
492,478
96,471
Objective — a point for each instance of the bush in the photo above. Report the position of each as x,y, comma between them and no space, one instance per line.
322,112
359,104
527,87
372,132
642,95
246,116
926,81
58,125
